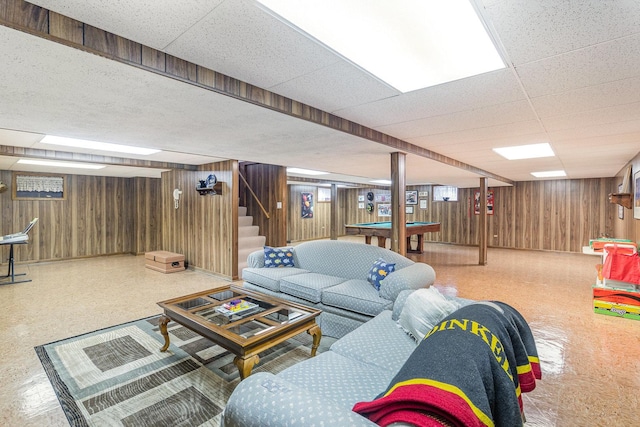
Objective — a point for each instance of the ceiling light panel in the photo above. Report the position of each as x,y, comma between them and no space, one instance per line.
95,145
549,174
305,171
531,151
55,164
418,45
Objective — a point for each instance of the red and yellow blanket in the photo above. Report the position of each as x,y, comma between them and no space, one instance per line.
469,370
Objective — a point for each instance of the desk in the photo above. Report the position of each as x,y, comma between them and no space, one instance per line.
382,230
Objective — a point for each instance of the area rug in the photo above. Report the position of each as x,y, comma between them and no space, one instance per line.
118,376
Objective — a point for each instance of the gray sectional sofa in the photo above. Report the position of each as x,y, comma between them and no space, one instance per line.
322,390
332,276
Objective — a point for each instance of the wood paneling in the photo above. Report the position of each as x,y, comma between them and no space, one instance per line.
100,216
318,227
111,44
25,14
203,228
557,215
269,183
147,225
66,28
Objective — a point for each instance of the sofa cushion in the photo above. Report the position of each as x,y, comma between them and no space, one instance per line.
379,271
378,342
269,278
278,257
308,286
356,295
338,379
350,260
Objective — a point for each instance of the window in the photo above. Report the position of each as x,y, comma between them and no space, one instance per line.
445,193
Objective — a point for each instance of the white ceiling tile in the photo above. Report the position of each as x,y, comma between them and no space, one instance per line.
335,87
532,30
466,94
150,22
614,60
492,115
609,94
597,130
243,41
510,131
603,116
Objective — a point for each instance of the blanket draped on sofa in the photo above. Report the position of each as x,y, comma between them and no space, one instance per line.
469,370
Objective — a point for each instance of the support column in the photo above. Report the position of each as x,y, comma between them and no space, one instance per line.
398,202
334,212
483,222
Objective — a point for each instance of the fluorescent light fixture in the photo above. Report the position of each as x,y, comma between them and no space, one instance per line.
531,151
306,171
381,181
549,174
95,145
412,45
56,164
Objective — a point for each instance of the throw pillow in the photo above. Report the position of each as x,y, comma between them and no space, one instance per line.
278,257
424,309
379,271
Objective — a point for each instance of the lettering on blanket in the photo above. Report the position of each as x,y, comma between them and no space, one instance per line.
478,330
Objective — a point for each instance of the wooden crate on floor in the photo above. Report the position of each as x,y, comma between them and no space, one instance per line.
164,261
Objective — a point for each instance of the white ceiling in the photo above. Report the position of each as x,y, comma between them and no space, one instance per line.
573,80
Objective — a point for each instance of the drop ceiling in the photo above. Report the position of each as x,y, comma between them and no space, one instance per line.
573,80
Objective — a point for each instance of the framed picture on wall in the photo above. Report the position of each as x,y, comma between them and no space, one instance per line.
411,197
476,202
324,194
636,194
384,209
307,205
423,203
38,186
408,210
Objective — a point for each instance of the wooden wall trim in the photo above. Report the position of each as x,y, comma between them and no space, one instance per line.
23,16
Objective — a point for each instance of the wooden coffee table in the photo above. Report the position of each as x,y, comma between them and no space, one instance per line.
266,323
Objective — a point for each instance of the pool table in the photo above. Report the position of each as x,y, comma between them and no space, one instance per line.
382,230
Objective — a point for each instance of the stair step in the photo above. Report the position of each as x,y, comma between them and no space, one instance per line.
242,210
244,221
248,230
243,254
251,242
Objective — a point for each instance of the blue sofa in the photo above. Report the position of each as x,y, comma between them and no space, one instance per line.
322,390
332,275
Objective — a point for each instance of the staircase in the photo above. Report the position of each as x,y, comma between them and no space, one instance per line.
249,239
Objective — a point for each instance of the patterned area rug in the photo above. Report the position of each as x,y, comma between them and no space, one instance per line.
118,376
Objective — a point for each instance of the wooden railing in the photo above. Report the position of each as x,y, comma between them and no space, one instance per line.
266,214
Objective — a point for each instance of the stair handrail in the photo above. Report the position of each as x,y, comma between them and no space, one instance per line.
254,196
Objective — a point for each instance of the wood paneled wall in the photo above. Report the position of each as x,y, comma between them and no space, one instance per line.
203,228
558,215
100,216
627,227
318,227
147,211
269,183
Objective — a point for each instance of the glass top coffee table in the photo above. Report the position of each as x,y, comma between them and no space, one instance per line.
242,321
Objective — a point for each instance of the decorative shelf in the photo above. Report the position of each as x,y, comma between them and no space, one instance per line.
216,190
622,199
